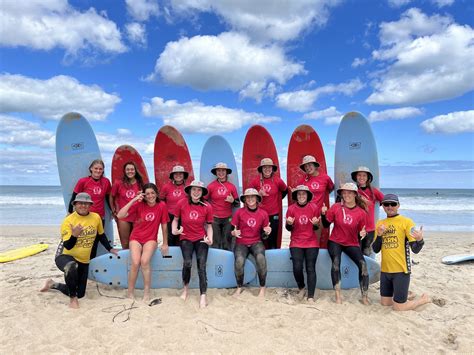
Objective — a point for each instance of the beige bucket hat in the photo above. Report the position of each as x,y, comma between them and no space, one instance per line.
196,183
309,159
250,192
301,188
179,169
266,161
221,165
364,169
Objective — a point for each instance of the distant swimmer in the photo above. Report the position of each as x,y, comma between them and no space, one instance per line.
395,236
79,232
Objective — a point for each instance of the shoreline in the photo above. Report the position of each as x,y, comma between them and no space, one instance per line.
278,324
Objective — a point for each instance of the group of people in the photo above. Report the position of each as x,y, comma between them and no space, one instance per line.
195,217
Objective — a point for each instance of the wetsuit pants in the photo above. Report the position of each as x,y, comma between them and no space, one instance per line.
75,275
201,249
271,241
309,257
173,240
241,253
366,243
221,228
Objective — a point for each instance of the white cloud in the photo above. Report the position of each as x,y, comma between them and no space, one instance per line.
303,100
194,116
442,3
225,62
398,3
427,59
330,115
142,10
19,132
45,25
136,33
395,114
454,122
264,20
52,98
357,62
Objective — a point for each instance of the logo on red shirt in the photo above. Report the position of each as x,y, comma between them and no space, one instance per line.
193,215
348,219
303,219
130,194
96,190
222,191
315,185
177,193
267,188
251,222
149,217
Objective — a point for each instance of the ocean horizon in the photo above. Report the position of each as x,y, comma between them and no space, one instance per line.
435,209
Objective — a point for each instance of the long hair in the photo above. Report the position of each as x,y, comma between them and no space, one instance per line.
138,177
151,185
358,200
94,162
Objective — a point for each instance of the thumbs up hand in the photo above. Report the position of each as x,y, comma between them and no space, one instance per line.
363,233
324,209
290,220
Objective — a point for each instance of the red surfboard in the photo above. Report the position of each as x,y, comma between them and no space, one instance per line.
258,144
170,150
124,154
305,141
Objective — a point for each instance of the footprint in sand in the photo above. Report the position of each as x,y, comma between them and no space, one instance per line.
440,302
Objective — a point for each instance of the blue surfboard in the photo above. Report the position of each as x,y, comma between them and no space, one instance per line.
216,150
76,148
167,271
355,146
280,270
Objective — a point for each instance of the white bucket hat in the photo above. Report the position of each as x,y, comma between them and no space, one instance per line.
363,169
309,159
265,162
179,169
349,186
221,165
196,183
250,192
301,188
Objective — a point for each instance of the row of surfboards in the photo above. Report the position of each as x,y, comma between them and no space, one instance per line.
76,147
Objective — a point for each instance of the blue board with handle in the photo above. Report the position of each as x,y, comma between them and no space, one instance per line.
76,148
167,271
280,270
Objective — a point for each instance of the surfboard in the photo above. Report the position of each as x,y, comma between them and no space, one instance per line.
123,154
258,144
280,270
76,148
215,150
459,258
305,141
167,271
355,146
21,253
170,150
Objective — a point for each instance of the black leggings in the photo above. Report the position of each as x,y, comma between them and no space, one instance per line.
309,256
221,228
173,240
335,250
271,241
366,243
201,249
241,252
75,275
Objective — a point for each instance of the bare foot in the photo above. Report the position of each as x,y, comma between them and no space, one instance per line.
411,296
47,285
184,295
424,299
203,302
74,303
131,294
301,294
238,292
338,297
146,296
261,293
365,300
310,299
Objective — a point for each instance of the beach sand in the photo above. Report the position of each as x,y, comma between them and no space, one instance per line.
34,322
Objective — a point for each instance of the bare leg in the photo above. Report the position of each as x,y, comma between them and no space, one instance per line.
261,293
47,285
184,295
238,292
74,303
386,301
147,253
410,305
203,301
338,294
135,255
124,229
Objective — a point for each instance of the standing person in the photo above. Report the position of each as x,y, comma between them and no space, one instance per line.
319,183
371,195
222,196
172,192
302,221
248,224
79,231
195,235
98,187
272,189
396,235
350,220
147,213
123,191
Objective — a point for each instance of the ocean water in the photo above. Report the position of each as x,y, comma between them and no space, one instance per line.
435,209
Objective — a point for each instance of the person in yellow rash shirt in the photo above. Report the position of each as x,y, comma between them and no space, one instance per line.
395,236
79,231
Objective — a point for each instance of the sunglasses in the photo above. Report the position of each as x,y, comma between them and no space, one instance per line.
391,204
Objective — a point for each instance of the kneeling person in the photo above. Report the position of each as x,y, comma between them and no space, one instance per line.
395,236
79,231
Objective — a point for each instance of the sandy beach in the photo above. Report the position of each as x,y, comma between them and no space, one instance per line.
34,322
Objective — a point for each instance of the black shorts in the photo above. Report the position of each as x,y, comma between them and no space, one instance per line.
395,285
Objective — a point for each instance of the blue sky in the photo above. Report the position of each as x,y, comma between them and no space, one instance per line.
218,66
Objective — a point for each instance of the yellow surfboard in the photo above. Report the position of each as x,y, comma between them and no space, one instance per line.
22,252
